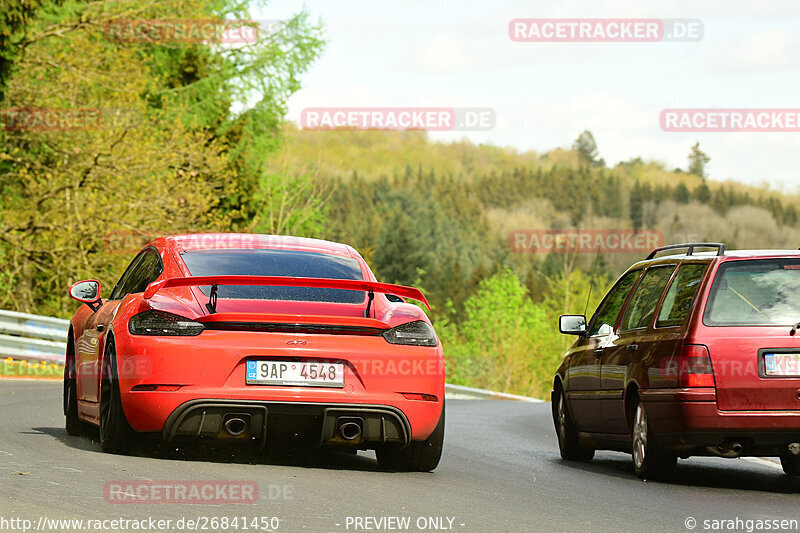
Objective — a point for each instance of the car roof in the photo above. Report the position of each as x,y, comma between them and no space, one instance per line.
728,255
251,241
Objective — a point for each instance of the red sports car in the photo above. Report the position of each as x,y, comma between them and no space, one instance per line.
257,338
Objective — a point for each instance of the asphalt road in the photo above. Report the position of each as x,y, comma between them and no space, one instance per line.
500,472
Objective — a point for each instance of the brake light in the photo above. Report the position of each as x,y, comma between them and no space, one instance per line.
695,368
154,322
417,333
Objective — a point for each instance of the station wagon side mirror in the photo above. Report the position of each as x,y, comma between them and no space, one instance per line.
572,324
88,292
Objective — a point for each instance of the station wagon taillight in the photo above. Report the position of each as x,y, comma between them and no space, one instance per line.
695,367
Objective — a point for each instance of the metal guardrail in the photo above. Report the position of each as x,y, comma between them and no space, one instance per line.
459,392
33,337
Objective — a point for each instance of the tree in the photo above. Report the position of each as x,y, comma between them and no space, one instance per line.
586,146
400,251
702,193
681,194
164,152
698,161
15,18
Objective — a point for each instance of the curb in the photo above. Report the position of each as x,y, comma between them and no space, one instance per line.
460,392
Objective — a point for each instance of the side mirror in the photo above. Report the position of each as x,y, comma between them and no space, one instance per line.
572,324
88,292
395,299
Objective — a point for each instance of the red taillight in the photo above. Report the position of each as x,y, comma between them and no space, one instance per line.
695,367
417,396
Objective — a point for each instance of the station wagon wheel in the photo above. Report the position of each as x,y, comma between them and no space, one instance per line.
568,442
791,464
650,461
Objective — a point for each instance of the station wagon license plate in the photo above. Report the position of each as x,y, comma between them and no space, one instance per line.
295,373
782,364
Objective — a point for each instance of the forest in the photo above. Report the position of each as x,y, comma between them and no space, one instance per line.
177,143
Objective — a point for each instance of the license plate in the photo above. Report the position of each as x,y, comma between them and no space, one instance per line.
782,364
294,373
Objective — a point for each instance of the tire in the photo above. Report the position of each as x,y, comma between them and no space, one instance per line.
568,442
791,465
115,432
417,456
73,424
650,461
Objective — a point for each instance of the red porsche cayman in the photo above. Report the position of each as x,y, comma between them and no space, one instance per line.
257,338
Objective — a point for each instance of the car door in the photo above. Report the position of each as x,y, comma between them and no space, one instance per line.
144,268
634,342
671,323
583,378
88,343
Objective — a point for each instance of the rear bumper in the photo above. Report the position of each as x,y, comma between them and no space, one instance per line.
690,419
309,424
212,368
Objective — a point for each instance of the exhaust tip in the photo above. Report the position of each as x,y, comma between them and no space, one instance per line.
729,448
794,448
350,431
235,426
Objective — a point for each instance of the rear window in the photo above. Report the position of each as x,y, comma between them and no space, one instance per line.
288,263
763,292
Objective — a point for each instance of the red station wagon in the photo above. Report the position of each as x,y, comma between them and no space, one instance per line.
690,354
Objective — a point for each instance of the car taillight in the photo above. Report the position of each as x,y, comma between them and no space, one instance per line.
154,322
416,333
695,367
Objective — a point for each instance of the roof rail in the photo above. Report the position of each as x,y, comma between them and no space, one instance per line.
691,246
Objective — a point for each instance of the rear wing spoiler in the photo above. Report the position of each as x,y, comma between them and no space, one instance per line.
282,281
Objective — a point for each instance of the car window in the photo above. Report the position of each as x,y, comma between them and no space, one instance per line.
681,294
763,292
608,310
290,263
118,293
143,271
644,300
146,272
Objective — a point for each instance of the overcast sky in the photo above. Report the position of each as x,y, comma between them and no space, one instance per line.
457,53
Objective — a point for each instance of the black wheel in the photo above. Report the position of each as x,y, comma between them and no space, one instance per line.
73,424
416,457
650,461
791,465
115,433
568,442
